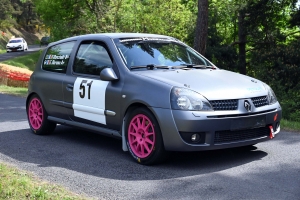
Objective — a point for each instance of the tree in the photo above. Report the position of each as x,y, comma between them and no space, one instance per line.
98,8
201,27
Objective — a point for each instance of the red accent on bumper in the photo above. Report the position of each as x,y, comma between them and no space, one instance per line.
275,117
272,135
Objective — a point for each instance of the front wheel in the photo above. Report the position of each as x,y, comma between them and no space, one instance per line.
37,117
144,139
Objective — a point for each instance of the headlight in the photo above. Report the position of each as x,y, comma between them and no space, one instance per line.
271,95
185,99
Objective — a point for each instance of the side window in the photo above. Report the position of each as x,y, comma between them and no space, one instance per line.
57,57
196,59
92,57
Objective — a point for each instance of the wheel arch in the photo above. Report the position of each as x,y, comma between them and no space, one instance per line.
129,109
29,97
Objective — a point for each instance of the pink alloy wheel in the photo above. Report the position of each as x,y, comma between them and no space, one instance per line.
35,113
141,136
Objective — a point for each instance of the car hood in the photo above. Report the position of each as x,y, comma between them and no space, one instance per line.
213,84
14,44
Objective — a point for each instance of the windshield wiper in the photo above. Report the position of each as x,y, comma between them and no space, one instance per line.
193,66
150,67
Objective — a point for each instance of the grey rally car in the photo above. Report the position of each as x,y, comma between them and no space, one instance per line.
152,91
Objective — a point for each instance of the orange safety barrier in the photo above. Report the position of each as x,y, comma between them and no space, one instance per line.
13,75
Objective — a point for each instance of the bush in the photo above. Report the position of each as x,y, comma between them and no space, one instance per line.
280,68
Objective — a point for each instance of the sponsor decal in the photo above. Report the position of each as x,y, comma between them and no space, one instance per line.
53,62
254,89
57,57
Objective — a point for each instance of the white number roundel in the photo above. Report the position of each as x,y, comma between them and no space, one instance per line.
89,99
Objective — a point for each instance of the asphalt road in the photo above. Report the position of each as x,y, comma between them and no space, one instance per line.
95,165
31,49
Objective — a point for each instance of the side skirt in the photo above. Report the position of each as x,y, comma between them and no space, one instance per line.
100,130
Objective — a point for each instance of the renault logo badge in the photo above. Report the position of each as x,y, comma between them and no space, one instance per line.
247,105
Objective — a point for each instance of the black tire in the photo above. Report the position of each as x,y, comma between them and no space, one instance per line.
140,136
37,117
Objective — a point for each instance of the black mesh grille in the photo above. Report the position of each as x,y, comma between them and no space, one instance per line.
224,104
260,101
233,136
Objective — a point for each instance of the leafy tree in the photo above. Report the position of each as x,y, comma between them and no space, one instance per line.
98,8
5,14
65,18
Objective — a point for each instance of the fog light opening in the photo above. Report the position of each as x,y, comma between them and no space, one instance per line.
195,137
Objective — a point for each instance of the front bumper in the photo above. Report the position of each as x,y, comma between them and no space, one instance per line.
11,49
217,129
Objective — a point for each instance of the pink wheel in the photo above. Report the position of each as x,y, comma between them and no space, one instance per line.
141,136
35,113
37,116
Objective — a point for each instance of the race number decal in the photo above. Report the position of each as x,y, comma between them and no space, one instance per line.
89,99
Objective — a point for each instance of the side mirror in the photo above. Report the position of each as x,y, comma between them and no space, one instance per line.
108,74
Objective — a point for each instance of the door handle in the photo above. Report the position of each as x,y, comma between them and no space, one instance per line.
70,87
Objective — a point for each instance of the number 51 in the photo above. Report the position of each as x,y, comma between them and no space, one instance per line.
82,87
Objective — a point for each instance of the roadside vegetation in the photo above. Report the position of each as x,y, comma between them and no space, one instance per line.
27,62
18,184
17,91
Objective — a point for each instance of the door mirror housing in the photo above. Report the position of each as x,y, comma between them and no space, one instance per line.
108,74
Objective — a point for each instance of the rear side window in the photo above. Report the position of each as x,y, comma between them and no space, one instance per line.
92,57
57,57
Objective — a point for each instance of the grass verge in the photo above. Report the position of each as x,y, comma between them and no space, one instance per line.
17,91
17,184
290,125
2,51
28,61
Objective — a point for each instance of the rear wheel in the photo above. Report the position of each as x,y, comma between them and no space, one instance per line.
144,139
37,117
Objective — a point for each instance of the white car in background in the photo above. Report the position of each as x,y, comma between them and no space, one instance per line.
16,44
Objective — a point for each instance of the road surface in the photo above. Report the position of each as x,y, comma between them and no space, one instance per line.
31,49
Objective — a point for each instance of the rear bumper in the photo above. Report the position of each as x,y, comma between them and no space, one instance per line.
217,130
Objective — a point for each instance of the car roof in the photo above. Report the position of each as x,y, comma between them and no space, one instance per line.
113,36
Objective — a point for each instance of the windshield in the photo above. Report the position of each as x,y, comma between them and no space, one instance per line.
158,52
15,41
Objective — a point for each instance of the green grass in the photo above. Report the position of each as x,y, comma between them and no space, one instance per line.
17,184
290,125
2,51
27,61
17,91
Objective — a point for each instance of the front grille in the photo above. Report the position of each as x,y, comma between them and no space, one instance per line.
240,135
260,101
224,104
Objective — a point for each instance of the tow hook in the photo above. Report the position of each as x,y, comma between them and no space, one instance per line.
272,134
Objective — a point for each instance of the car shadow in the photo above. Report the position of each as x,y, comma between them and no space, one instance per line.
102,156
